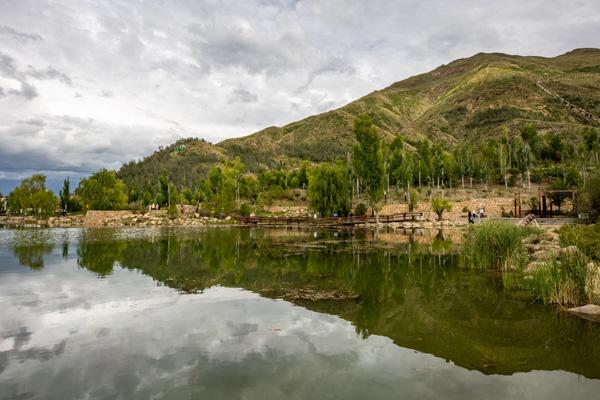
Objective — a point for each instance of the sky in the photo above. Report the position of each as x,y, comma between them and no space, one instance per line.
92,84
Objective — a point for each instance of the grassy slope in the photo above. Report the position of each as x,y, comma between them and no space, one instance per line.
448,105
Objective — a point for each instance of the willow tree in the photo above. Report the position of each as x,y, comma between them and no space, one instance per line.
367,158
329,189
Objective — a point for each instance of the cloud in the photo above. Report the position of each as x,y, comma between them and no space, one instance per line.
240,95
20,36
157,71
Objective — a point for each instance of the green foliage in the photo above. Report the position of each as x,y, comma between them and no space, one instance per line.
413,199
360,210
31,196
440,205
567,280
102,191
174,200
493,116
65,195
585,237
245,210
368,159
590,198
329,189
495,245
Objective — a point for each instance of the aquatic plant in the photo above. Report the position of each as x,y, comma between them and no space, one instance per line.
585,237
567,280
495,245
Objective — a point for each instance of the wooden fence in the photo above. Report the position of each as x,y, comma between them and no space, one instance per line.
328,221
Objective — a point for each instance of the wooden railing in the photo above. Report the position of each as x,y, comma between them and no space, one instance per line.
328,221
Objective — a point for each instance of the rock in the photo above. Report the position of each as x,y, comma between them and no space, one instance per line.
533,266
228,218
589,311
569,250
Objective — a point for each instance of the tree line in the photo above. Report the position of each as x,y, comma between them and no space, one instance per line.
369,173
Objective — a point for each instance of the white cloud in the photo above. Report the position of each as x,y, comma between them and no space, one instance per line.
155,71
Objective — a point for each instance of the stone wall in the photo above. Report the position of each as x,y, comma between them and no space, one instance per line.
100,218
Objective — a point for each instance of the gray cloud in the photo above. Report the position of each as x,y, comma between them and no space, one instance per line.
27,91
49,73
240,95
21,36
228,68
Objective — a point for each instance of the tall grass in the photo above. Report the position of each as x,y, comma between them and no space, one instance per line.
567,280
496,246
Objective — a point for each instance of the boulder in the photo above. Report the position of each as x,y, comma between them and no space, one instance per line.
533,266
589,311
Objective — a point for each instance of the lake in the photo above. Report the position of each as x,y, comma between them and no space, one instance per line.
228,313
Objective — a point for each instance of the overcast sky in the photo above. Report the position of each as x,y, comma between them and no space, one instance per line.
91,84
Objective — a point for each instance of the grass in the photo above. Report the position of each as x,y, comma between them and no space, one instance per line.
567,280
496,246
585,237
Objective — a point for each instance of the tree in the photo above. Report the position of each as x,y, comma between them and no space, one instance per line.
524,162
65,195
162,198
440,205
102,191
368,161
590,139
32,196
329,189
590,198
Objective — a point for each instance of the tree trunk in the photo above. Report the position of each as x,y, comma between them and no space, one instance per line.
462,178
528,180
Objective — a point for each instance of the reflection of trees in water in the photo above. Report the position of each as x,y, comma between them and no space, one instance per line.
32,255
414,294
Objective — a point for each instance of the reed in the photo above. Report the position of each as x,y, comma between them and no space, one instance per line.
495,246
567,280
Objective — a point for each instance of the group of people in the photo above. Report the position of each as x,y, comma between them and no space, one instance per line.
472,216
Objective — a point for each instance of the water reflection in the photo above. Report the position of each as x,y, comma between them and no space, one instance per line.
226,340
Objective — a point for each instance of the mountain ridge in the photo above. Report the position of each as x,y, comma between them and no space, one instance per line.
469,99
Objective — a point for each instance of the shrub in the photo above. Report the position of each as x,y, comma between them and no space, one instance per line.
413,199
495,245
245,210
439,206
360,210
567,281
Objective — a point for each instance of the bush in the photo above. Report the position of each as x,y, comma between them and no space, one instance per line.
567,281
245,210
439,206
495,245
413,199
360,210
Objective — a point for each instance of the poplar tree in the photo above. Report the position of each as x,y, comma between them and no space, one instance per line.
368,161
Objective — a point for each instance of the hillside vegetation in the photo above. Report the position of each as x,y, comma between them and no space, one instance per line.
470,100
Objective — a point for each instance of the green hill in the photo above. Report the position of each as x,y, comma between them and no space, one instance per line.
468,100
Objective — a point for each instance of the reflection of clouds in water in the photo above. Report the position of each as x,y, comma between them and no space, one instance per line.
125,337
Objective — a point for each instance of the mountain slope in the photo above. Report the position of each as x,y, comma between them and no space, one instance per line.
469,99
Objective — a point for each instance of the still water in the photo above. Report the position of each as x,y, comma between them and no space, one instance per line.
274,314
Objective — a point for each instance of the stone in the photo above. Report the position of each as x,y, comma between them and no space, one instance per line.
533,266
589,311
